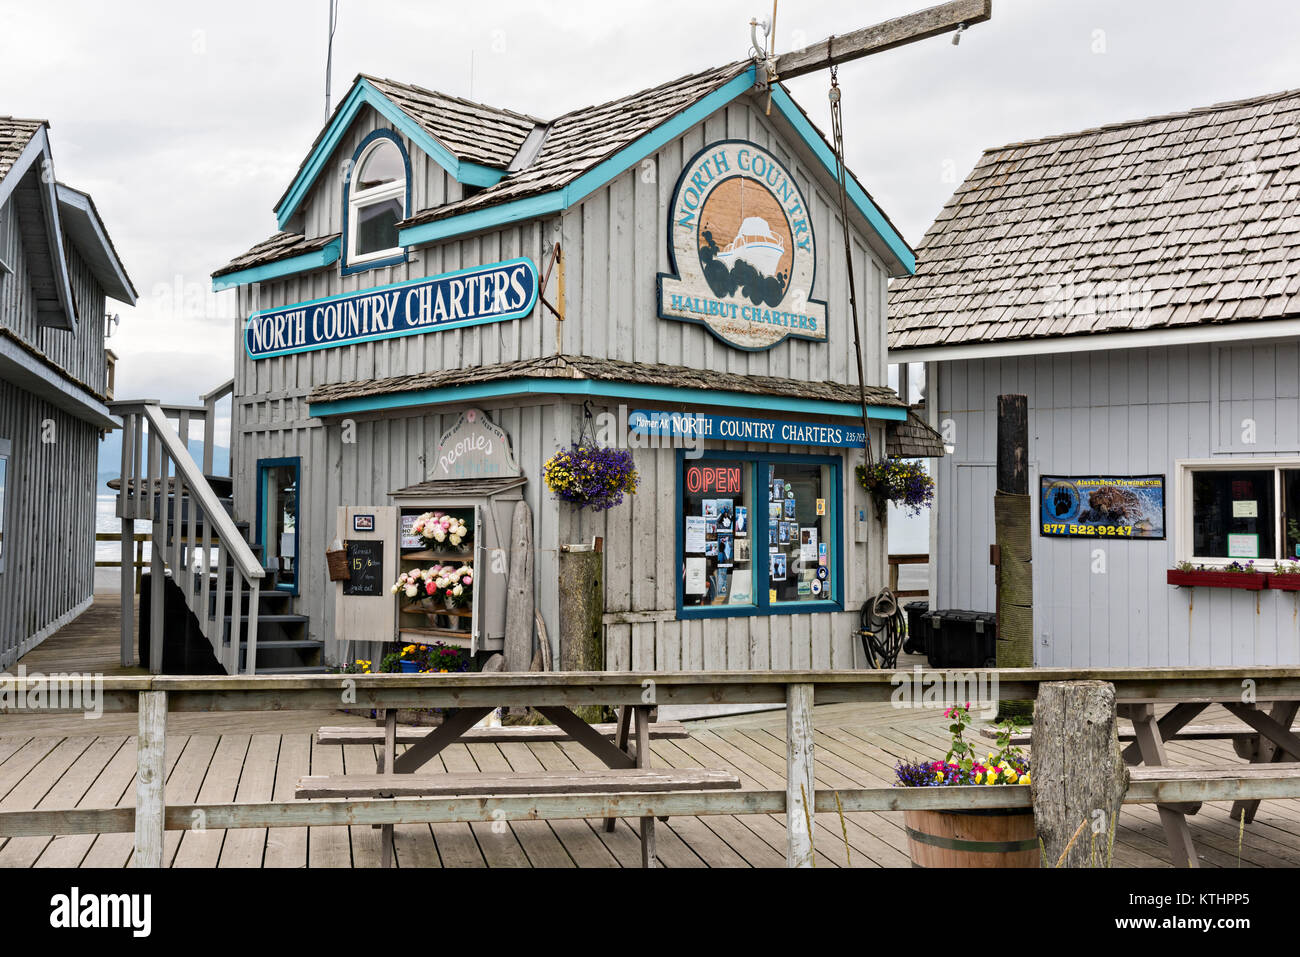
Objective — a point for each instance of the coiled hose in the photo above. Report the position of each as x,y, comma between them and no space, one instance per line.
883,629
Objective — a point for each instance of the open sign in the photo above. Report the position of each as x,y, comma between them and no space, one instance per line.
711,479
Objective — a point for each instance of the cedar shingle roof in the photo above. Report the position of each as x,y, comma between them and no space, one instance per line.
277,247
15,134
1157,223
913,439
579,140
471,131
611,370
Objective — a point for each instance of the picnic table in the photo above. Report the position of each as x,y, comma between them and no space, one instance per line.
623,747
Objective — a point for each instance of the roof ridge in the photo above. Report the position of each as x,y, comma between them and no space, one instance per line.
451,96
1146,121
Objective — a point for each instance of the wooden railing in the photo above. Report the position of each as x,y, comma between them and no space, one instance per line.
138,562
163,484
154,697
894,562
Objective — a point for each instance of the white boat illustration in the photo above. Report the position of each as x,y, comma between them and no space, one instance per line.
757,245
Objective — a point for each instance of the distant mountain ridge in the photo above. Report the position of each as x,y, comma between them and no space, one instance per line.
110,459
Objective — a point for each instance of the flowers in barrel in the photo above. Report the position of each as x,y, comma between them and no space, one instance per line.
1006,764
589,476
441,530
904,482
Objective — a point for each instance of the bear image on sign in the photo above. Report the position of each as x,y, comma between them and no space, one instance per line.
742,250
474,448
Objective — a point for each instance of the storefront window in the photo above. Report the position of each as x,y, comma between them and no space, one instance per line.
717,534
798,532
1244,511
758,534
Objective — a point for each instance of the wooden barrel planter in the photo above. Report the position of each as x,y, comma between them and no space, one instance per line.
996,837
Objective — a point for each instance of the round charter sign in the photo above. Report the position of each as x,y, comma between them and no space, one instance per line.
742,248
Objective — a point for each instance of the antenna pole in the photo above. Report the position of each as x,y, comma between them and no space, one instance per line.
329,53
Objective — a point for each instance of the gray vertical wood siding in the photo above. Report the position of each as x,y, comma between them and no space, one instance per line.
1119,412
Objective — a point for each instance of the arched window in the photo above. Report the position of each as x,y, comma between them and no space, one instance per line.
376,199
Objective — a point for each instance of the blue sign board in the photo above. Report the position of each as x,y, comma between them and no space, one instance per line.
493,293
742,429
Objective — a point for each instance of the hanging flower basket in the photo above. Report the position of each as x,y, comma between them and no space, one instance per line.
904,482
589,476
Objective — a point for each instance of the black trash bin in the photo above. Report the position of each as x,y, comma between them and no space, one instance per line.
918,627
962,639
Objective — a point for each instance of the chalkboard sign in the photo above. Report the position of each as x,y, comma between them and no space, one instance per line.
366,564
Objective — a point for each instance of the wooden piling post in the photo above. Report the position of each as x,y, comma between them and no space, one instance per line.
798,775
1014,549
150,778
1077,774
582,611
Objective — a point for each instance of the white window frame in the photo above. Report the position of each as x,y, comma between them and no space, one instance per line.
1185,468
358,199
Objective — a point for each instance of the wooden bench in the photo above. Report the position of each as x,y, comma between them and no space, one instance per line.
526,734
613,781
1242,737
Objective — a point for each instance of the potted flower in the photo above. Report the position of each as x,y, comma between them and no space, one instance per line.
905,482
1285,576
441,530
590,476
1233,575
978,837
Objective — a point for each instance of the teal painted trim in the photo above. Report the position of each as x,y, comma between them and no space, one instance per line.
795,117
490,218
362,94
593,387
316,259
561,199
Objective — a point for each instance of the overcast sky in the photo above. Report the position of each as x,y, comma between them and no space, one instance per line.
186,120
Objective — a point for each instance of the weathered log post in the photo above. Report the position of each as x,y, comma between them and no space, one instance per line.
1077,776
520,603
1014,550
582,610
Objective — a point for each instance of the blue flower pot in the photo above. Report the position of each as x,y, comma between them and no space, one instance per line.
410,667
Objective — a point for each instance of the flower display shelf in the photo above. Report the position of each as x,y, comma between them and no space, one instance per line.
1205,578
1290,582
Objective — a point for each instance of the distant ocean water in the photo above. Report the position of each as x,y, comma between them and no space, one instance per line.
107,522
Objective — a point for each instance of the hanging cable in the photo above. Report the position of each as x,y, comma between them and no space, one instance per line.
837,130
329,53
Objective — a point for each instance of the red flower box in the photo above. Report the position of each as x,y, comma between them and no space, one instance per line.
1284,582
1250,581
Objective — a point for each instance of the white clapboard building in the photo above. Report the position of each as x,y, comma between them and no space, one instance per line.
1140,283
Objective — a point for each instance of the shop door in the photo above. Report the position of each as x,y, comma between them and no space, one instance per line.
277,522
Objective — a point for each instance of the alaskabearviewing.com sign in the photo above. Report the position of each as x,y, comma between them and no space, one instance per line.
742,250
1102,506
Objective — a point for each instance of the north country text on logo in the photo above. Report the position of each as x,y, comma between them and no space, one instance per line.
743,250
493,293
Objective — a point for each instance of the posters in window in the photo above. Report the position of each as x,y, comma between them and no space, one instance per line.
777,570
742,521
694,534
808,544
726,549
696,576
1102,506
742,550
741,589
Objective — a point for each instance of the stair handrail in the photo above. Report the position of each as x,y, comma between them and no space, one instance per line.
140,478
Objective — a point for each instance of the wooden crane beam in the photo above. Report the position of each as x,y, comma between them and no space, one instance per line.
900,31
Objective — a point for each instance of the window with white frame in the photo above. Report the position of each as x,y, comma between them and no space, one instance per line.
376,202
1239,510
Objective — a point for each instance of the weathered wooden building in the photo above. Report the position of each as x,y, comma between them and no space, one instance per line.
1141,284
445,270
57,266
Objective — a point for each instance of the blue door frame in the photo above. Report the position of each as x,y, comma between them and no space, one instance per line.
759,583
263,466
